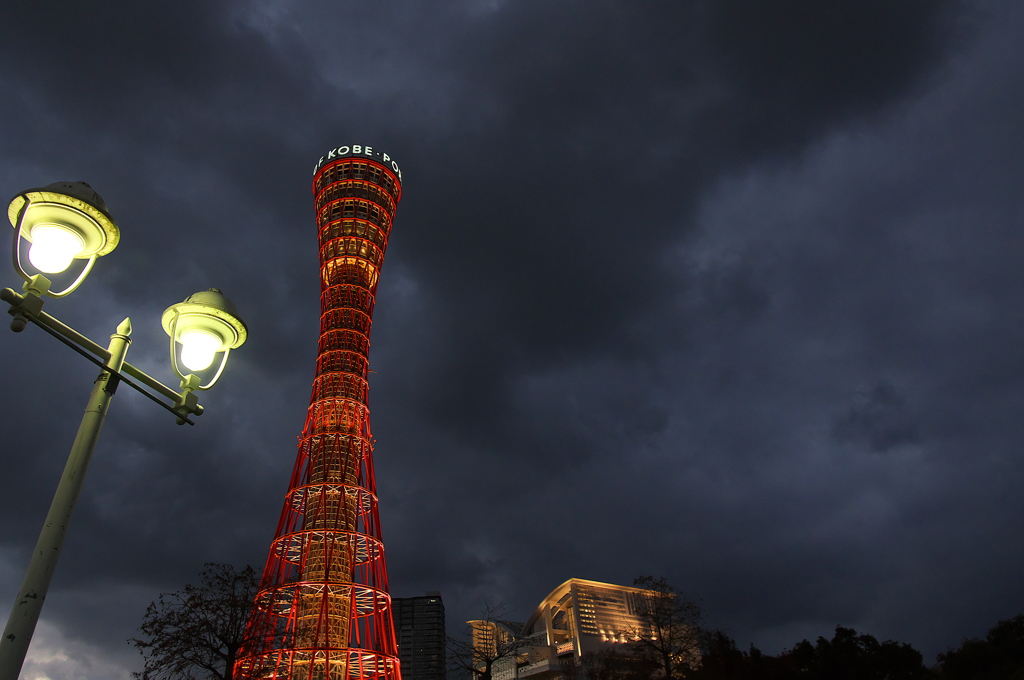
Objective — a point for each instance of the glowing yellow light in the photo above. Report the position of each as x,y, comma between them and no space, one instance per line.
54,247
198,348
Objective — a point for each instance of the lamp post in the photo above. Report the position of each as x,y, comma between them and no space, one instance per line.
65,222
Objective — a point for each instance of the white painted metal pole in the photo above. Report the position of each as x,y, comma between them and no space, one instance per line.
25,614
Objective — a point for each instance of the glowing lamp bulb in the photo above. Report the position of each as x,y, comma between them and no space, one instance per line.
198,349
53,248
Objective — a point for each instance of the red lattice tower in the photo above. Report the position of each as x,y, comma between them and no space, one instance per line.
323,611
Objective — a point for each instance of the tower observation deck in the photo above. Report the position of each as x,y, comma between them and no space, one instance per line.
323,611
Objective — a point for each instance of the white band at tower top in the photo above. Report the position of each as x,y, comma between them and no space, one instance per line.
358,150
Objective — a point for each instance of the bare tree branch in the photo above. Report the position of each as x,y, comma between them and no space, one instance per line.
195,633
484,644
671,629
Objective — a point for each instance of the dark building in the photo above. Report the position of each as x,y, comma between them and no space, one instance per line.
419,626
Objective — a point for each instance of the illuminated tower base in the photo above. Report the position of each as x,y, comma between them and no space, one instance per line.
323,611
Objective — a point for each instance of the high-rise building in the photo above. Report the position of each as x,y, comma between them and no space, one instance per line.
419,626
323,611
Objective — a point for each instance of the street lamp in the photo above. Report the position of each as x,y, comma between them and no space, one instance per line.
63,223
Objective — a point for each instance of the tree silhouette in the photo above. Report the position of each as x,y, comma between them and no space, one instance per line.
849,656
670,631
486,643
1000,656
195,633
723,660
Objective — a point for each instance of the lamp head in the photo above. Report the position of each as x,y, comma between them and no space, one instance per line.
205,323
63,221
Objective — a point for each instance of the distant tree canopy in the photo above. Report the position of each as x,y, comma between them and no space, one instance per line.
847,656
195,633
1000,656
722,660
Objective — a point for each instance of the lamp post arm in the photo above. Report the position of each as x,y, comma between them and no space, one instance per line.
153,384
25,613
29,306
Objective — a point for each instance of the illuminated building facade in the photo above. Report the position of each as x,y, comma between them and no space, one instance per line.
323,611
419,625
500,641
578,617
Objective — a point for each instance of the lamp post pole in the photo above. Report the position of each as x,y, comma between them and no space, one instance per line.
25,614
65,221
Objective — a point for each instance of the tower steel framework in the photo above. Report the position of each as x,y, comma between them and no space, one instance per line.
323,611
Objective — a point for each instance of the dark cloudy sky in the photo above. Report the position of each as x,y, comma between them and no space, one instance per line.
728,291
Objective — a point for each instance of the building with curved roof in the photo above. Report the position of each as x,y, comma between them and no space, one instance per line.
576,618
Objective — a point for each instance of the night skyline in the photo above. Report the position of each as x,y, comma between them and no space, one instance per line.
729,293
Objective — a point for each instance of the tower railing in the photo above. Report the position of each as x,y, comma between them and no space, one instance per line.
323,611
